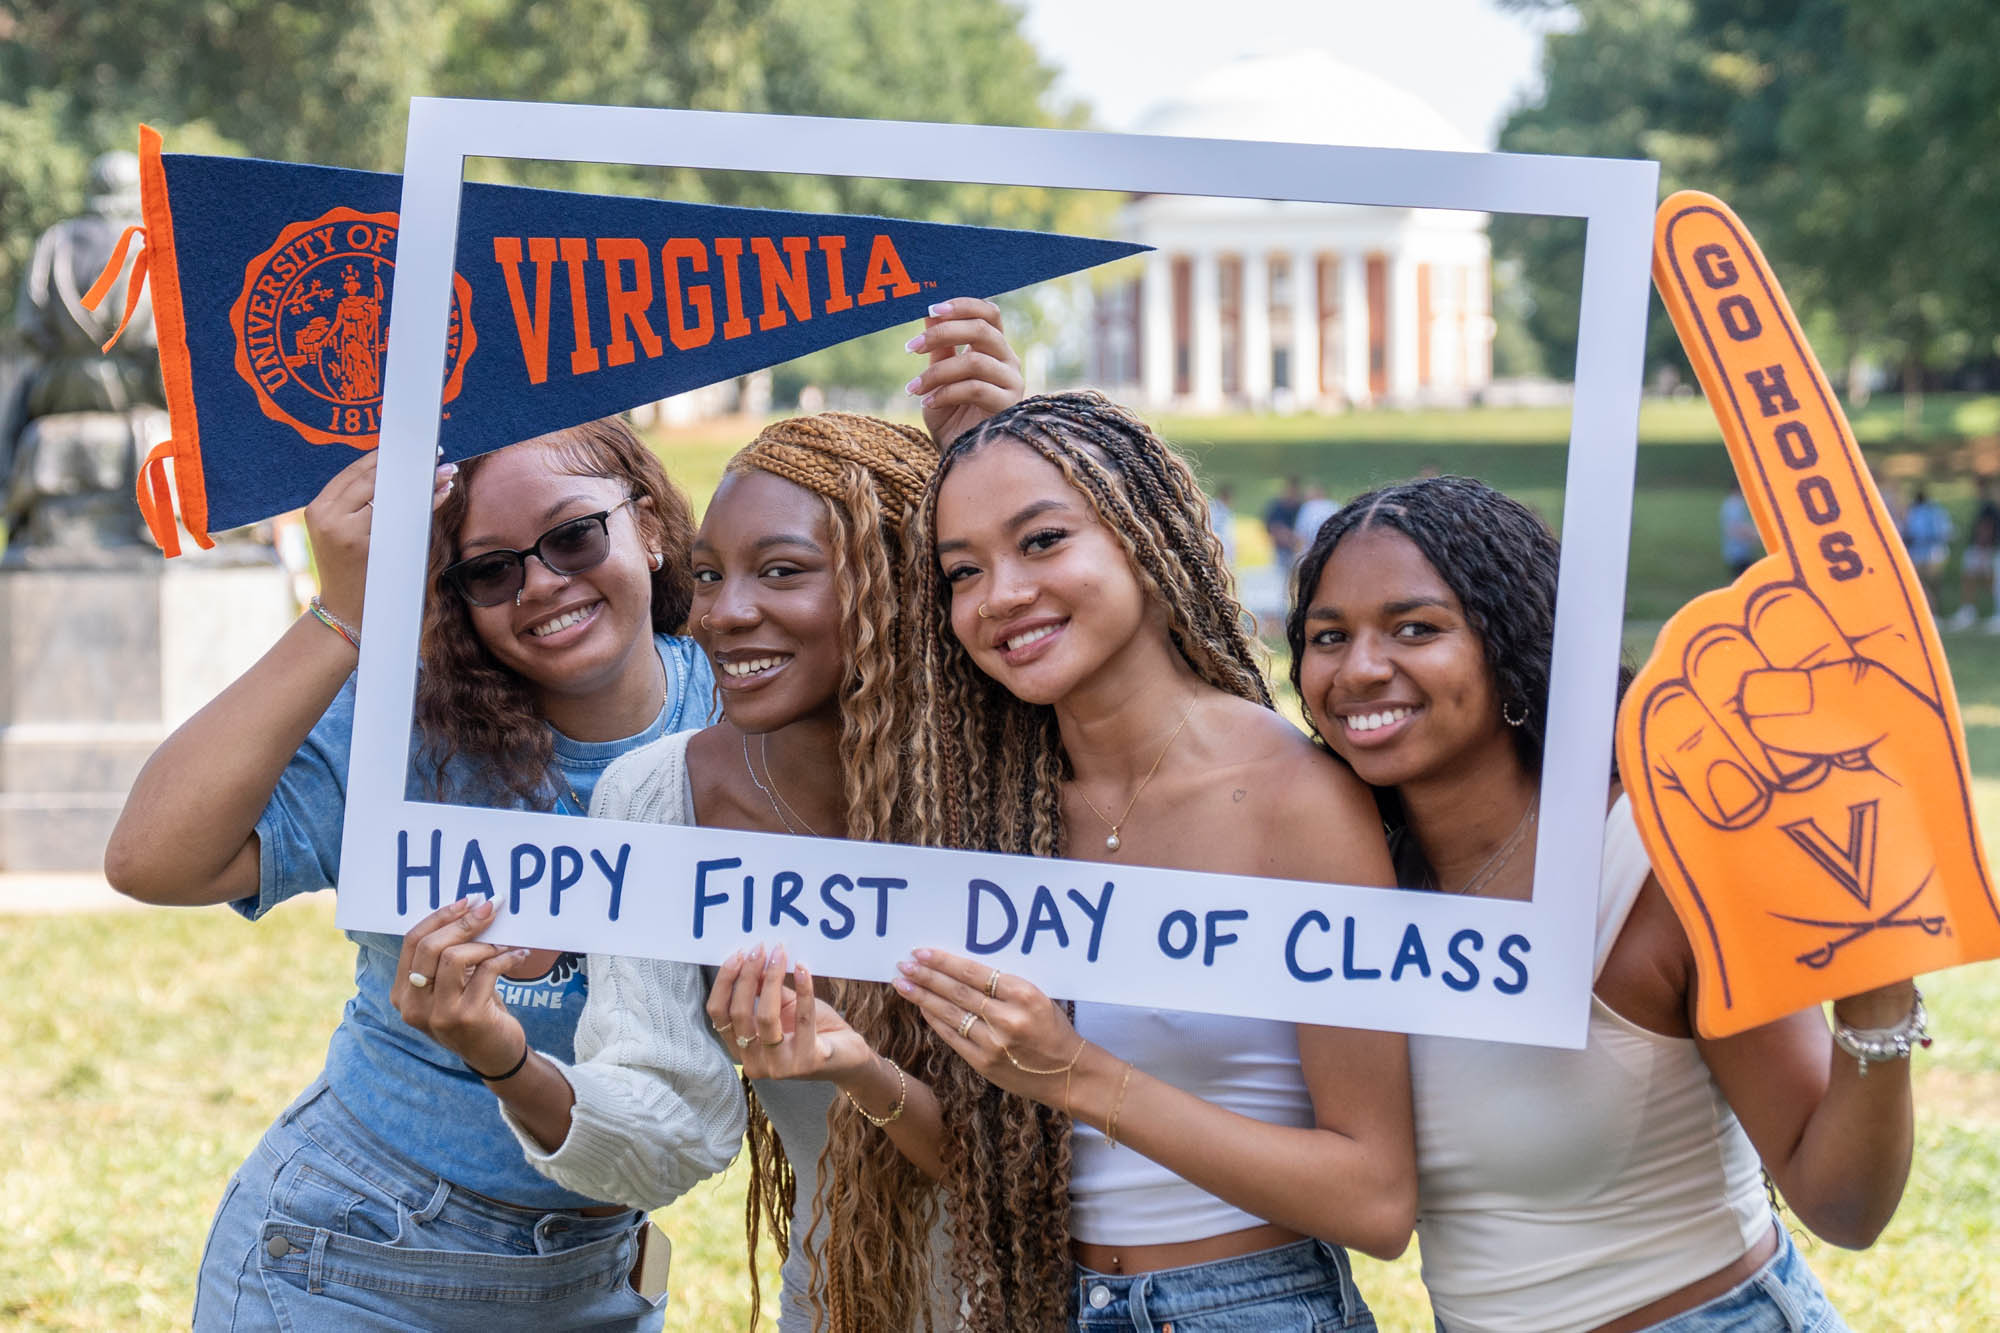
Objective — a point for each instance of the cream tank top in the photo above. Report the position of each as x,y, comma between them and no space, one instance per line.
1557,1190
1247,1065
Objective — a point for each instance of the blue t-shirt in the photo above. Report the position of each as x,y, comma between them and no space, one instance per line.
411,1092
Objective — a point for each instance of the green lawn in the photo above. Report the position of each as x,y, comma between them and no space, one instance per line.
156,1046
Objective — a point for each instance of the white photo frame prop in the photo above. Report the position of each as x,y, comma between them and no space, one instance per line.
1359,957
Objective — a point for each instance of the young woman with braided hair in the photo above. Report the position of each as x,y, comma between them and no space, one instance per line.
796,603
1083,686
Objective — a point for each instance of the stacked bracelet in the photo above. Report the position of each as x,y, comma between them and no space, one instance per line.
896,1111
1876,1045
334,622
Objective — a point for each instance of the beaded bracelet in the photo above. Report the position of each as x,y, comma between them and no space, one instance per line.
334,622
1879,1045
895,1112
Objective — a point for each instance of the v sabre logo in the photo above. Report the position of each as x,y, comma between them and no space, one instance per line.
272,283
1853,866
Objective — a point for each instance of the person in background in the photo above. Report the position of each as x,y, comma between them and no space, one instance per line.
1317,508
1976,567
1740,543
1281,520
1927,537
1222,517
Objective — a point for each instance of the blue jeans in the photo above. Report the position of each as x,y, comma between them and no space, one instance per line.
326,1227
1304,1287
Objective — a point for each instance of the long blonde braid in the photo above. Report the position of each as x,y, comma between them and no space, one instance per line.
871,475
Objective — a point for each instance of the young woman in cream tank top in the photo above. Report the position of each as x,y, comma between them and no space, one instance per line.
1618,1187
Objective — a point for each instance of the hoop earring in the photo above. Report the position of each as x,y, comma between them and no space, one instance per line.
982,612
1507,714
658,559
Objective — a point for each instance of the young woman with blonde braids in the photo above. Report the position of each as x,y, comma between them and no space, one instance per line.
1084,687
796,604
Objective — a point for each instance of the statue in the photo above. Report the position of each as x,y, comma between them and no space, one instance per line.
78,424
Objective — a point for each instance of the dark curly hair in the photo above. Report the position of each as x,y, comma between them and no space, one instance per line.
1498,558
470,706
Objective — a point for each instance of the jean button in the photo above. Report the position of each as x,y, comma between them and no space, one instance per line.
277,1247
1100,1296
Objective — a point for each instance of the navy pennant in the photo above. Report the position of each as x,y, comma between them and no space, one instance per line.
271,285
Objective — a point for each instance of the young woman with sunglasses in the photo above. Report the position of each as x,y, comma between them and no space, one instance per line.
1620,1187
390,1194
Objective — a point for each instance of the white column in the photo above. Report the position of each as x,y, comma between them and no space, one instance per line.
1404,333
1305,328
1156,331
1253,327
1207,330
1354,328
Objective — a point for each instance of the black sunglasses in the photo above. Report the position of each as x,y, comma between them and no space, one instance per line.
570,547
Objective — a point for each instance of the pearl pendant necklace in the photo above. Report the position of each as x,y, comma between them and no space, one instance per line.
1112,842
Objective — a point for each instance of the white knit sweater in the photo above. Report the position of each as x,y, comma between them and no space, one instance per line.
658,1105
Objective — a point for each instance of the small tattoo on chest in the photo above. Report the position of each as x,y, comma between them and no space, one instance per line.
1239,794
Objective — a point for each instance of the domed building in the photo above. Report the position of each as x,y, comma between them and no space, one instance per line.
1273,304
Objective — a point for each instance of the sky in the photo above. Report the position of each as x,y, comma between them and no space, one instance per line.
1464,57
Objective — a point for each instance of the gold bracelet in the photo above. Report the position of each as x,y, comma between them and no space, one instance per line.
1111,1126
902,1097
1041,1073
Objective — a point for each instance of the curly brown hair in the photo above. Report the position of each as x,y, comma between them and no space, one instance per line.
985,770
470,707
870,474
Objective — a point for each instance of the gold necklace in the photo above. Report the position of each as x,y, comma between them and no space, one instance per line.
1112,842
1502,854
770,794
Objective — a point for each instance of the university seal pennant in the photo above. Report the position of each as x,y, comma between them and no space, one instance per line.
271,285
1793,747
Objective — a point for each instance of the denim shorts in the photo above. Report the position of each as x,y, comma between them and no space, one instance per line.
1781,1297
1304,1287
326,1227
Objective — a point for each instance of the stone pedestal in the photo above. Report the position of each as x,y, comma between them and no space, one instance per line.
97,666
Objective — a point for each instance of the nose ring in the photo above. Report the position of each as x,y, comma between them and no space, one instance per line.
703,622
982,612
517,596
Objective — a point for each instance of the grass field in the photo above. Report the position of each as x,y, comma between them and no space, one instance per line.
148,1050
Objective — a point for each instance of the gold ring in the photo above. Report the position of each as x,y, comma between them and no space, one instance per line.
965,1024
722,1027
779,1042
744,1041
993,984
982,612
419,980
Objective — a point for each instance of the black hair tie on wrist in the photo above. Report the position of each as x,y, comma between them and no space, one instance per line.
526,1049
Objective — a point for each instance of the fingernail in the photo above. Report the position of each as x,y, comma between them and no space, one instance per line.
518,953
757,954
1777,693
908,969
1733,791
921,955
778,960
484,909
911,387
733,959
902,987
941,308
914,344
929,398
447,470
461,905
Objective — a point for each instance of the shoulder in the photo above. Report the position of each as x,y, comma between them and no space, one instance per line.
1313,818
647,784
